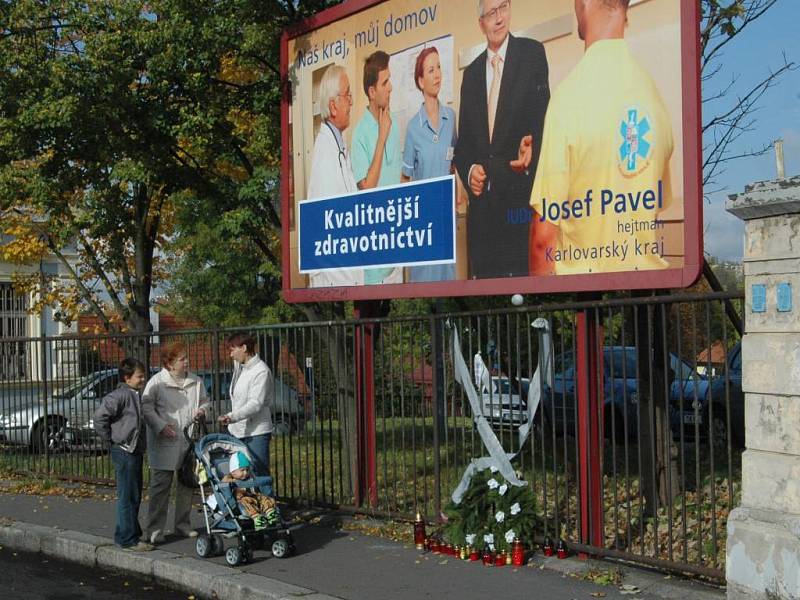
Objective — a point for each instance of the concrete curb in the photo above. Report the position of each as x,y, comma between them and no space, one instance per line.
204,579
212,581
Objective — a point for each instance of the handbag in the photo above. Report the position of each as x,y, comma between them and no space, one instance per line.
188,472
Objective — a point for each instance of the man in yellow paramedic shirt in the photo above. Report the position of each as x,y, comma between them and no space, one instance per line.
603,175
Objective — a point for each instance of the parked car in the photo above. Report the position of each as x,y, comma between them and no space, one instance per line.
288,412
707,416
620,391
68,422
506,400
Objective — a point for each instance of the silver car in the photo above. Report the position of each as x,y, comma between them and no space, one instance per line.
506,401
65,420
68,422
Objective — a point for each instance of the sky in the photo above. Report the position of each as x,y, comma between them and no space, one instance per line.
751,55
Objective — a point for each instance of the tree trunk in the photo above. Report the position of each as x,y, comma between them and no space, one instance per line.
659,466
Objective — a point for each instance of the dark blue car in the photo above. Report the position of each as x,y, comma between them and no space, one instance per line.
620,391
716,413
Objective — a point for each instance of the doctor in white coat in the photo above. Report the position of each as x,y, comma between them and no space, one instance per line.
331,171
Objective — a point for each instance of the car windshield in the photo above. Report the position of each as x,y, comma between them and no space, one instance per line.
621,363
74,389
682,369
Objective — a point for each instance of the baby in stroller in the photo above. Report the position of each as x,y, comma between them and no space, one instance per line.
241,506
260,507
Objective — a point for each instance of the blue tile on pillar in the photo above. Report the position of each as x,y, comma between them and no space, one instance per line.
759,298
784,297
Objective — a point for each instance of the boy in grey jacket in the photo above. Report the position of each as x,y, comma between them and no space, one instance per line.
118,421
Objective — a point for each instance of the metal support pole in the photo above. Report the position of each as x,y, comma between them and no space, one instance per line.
590,427
43,367
437,345
367,473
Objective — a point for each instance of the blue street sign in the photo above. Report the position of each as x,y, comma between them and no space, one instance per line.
403,225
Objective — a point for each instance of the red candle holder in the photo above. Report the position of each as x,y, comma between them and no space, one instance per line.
547,548
561,550
488,558
474,554
419,532
500,559
517,553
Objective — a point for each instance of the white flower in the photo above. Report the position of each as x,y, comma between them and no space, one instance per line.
470,539
503,489
500,516
489,538
510,535
515,508
492,483
493,469
491,547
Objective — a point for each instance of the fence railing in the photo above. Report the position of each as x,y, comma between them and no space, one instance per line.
667,375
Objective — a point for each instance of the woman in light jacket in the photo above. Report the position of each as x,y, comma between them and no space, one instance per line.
252,392
172,399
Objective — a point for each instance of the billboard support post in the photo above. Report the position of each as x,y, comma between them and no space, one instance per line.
439,425
590,426
367,475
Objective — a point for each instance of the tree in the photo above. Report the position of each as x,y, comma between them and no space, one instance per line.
731,103
120,122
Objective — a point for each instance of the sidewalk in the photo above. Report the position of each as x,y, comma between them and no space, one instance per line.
330,563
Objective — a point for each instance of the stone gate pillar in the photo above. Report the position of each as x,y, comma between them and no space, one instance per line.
763,549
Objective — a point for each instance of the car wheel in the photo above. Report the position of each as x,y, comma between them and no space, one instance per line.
50,435
283,425
719,435
615,427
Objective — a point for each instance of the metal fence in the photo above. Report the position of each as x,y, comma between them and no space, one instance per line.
655,484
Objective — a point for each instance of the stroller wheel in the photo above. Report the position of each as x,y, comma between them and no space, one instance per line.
204,546
217,545
233,556
280,548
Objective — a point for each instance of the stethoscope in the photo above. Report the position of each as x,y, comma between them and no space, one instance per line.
342,153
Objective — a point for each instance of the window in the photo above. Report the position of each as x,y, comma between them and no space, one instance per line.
624,363
13,323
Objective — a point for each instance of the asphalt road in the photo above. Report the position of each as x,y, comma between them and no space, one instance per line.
37,577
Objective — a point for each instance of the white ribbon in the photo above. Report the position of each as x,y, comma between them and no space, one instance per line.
498,457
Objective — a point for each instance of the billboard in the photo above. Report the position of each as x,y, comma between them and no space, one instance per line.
470,147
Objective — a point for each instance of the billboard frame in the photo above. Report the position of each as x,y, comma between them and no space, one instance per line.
594,282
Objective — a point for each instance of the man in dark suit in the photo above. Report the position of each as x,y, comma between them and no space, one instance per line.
504,96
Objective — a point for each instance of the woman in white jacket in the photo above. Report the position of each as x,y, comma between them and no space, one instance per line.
252,391
172,399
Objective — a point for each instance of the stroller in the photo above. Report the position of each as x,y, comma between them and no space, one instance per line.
224,516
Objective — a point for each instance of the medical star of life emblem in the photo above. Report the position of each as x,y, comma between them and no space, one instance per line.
635,150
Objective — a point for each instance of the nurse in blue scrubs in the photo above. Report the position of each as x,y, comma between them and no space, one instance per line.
430,140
